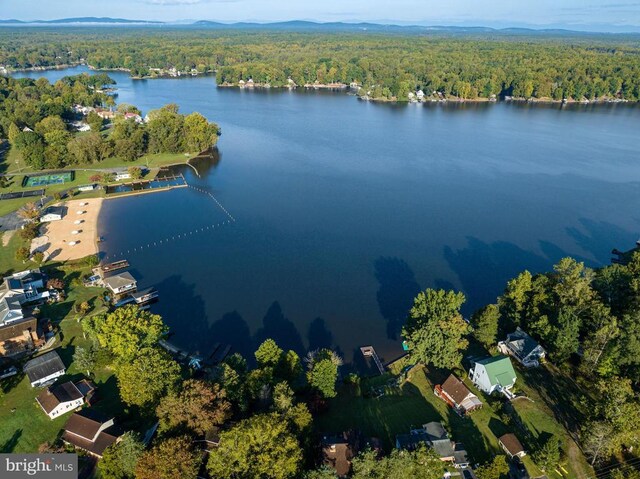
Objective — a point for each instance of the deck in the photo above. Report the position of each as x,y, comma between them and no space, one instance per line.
370,352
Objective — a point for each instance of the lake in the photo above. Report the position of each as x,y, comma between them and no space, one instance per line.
344,210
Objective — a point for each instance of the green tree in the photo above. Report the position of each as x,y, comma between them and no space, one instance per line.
196,406
38,258
200,135
498,468
548,456
485,325
120,459
269,354
145,379
85,359
323,372
170,459
261,447
50,124
126,330
423,463
94,121
135,172
435,330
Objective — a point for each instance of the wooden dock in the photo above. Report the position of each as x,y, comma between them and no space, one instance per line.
370,352
118,265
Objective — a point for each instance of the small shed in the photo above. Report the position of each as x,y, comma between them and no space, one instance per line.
511,445
53,213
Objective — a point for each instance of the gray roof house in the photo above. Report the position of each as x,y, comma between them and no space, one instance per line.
44,369
53,213
435,436
121,283
522,347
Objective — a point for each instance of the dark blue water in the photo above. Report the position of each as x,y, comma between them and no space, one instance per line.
344,210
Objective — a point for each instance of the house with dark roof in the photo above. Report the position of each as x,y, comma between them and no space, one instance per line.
522,347
60,399
339,450
435,436
53,213
90,431
457,395
494,374
439,440
511,445
44,369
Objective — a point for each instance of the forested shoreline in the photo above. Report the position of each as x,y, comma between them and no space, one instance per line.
387,67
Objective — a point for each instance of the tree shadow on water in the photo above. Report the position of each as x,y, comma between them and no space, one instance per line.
485,268
319,336
398,288
601,237
281,329
233,330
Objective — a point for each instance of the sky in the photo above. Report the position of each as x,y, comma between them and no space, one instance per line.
579,14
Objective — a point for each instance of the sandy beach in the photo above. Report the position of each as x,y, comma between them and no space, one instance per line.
56,235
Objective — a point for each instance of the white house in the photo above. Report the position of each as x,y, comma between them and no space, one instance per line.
122,176
44,369
494,374
60,399
522,347
17,289
86,187
52,213
121,283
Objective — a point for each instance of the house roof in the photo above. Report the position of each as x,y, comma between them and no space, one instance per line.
119,280
9,305
85,386
80,424
52,397
86,423
455,389
337,454
43,366
521,343
435,431
499,369
460,454
411,441
511,444
17,328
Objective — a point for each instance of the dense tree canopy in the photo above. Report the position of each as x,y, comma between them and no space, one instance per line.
261,447
466,66
423,463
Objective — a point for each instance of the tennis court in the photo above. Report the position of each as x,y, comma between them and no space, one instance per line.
48,179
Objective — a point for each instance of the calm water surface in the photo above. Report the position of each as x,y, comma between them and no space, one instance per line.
344,210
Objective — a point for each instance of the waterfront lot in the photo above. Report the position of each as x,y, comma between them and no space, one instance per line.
413,404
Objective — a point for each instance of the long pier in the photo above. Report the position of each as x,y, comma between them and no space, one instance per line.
370,352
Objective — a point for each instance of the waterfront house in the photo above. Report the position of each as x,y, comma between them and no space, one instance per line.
494,374
90,431
106,114
511,445
60,399
522,347
53,213
457,395
121,283
122,175
44,369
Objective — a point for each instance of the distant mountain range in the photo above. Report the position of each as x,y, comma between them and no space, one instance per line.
301,25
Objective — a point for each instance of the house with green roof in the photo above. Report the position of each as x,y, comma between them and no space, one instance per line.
494,374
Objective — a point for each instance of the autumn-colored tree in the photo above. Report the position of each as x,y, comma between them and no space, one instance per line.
197,406
172,458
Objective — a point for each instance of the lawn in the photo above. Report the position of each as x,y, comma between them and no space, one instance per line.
23,425
414,404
